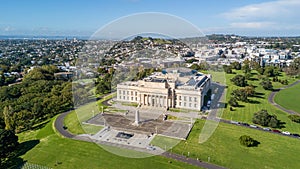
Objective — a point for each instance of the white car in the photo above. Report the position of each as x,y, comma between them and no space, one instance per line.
286,133
235,122
253,126
266,129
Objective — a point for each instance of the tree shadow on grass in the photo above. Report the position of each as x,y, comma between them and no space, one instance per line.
281,124
26,146
23,148
255,143
254,102
258,95
238,106
275,90
253,79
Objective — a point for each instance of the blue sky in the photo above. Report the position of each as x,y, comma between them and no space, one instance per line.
79,17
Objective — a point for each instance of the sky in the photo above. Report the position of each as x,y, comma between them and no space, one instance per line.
84,18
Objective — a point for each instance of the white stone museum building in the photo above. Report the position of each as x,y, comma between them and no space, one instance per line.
172,88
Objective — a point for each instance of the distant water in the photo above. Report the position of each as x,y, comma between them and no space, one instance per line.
5,37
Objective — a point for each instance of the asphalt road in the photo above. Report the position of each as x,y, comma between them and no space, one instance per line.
272,96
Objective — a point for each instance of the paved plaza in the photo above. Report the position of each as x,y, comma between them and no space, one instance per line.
148,127
121,137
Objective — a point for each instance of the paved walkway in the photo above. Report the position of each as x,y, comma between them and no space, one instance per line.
272,96
58,124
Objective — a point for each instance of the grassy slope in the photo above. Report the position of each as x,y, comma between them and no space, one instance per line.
289,98
223,148
78,154
245,113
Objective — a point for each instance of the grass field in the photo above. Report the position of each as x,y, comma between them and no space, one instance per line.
74,126
56,152
74,119
289,98
260,101
223,148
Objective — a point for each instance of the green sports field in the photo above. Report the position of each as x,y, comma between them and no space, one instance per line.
289,98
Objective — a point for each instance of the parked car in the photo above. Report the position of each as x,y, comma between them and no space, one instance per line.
235,122
266,129
286,133
245,124
295,134
276,131
253,126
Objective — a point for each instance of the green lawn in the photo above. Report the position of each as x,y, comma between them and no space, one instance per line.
223,148
245,113
74,119
56,152
74,126
289,98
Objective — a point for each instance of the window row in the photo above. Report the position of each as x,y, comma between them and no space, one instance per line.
184,104
127,92
128,98
189,98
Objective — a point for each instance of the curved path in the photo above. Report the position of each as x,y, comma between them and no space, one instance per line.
272,96
59,125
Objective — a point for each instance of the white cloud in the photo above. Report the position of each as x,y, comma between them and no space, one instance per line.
280,9
251,25
277,17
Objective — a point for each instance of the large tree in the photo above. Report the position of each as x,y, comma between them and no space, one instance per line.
266,84
239,80
263,118
247,141
233,102
240,95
